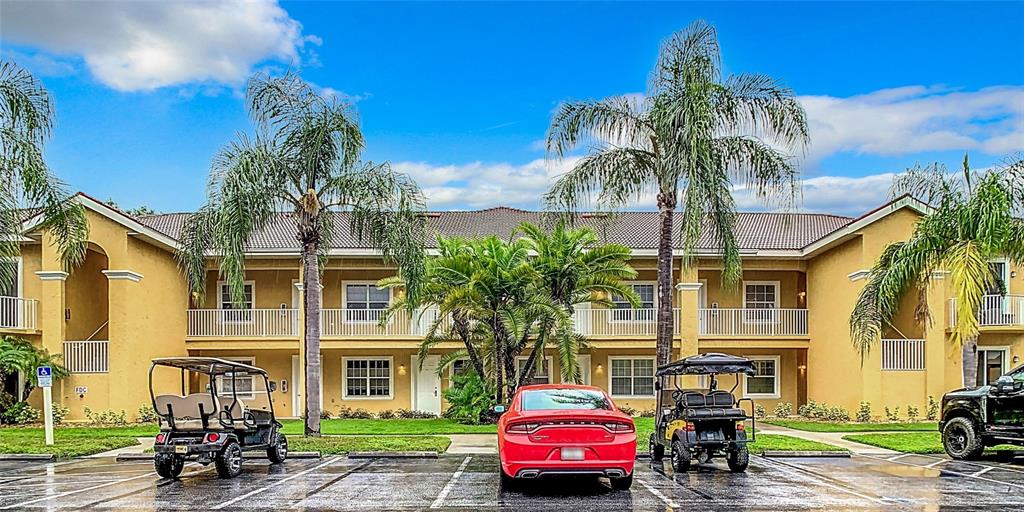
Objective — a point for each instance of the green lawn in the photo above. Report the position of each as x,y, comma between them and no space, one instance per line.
340,445
821,426
389,427
914,442
783,443
67,442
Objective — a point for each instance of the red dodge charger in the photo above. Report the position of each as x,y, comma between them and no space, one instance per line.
563,429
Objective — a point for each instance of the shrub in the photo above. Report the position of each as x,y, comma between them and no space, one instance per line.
809,410
6,401
407,414
147,414
836,413
387,414
20,414
627,409
106,417
646,413
760,412
59,413
912,413
932,412
326,415
470,399
783,409
354,414
864,412
893,415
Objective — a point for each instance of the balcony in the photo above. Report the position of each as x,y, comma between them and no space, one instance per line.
18,313
748,322
642,323
996,311
365,323
243,323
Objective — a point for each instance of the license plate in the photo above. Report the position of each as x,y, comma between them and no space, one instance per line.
572,453
181,449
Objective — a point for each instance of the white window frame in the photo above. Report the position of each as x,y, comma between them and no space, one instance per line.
633,319
391,378
653,360
20,271
344,301
777,393
249,360
1007,365
548,359
751,318
220,303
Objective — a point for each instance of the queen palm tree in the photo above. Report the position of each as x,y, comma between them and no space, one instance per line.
303,163
692,139
975,217
26,182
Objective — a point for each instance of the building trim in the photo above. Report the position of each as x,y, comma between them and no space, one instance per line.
689,287
52,275
130,275
858,275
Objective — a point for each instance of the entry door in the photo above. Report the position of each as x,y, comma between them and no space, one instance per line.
991,365
427,385
584,361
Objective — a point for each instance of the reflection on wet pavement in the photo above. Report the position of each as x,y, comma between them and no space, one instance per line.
471,483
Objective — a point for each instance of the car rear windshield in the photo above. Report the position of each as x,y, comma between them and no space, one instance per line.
555,399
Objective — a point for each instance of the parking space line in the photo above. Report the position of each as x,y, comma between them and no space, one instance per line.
668,501
936,463
798,471
339,477
986,470
451,483
68,493
228,503
900,456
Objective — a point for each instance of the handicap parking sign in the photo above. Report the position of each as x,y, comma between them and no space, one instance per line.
44,374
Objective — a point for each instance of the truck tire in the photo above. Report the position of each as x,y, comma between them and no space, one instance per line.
169,466
738,459
681,457
961,440
229,460
656,449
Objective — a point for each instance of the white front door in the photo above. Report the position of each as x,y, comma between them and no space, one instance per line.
426,385
584,362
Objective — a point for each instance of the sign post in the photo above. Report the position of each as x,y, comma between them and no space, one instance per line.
44,374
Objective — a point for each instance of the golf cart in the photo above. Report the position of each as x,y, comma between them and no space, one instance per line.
702,423
231,412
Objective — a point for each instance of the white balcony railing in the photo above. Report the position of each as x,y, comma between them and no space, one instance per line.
620,322
247,323
902,355
752,322
366,323
995,310
18,313
86,356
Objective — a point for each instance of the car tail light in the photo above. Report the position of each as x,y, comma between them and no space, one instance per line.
522,428
160,438
619,428
212,437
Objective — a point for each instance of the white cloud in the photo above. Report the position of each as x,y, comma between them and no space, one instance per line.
480,185
839,195
913,119
133,46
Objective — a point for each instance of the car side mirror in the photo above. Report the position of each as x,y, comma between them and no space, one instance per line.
1005,384
499,409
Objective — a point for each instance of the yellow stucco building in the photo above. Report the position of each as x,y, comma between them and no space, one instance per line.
128,303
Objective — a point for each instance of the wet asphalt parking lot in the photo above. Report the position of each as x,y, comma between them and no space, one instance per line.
471,483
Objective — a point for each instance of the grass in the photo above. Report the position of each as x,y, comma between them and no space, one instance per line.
341,445
431,426
913,442
784,443
67,442
822,426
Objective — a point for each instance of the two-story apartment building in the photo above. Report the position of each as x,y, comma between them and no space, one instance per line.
129,303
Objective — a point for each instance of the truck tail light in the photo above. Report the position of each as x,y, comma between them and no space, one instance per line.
212,437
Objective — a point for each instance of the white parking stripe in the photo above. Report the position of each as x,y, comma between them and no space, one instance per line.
956,473
228,503
900,456
982,472
936,463
451,483
68,493
668,501
780,466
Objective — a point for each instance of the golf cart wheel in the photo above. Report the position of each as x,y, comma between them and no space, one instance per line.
229,460
623,483
277,452
169,466
738,459
681,457
656,449
961,440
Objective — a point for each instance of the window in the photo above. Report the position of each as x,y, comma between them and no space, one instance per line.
237,313
623,311
460,367
364,302
368,378
565,399
632,376
543,373
760,300
243,383
990,365
764,383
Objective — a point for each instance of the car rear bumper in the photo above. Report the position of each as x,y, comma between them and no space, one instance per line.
523,458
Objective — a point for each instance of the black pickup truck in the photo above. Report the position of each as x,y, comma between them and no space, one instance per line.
973,418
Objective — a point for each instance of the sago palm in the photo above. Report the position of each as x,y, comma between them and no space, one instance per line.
303,162
691,141
974,219
26,182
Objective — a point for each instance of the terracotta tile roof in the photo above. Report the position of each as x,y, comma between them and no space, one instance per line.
637,229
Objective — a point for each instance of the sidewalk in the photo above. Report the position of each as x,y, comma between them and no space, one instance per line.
146,443
832,438
473,443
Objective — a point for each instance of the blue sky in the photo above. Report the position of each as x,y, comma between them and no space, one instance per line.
460,94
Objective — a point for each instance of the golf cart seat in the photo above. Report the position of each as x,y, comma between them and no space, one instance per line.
186,410
715,404
236,411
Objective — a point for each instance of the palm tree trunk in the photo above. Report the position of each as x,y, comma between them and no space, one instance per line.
311,305
970,362
666,206
462,328
499,363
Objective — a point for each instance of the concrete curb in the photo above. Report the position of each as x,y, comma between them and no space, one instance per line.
28,457
804,454
392,455
132,457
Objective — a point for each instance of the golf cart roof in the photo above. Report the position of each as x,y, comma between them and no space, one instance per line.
708,364
207,365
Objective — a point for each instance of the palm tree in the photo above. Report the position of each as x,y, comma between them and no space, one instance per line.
304,163
19,357
26,183
974,218
694,138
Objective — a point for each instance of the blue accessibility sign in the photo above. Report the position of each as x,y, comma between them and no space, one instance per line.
44,374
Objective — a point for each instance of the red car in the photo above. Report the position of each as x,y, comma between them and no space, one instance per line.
564,429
